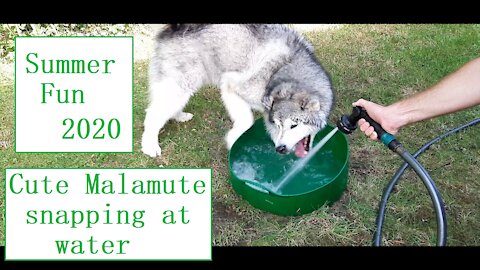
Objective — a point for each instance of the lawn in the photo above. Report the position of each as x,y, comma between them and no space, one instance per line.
382,63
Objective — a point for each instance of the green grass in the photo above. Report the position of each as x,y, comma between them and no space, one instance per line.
382,63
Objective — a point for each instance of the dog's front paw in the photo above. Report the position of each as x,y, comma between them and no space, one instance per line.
183,117
151,149
232,136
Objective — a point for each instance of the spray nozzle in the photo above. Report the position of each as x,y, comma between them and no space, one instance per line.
348,123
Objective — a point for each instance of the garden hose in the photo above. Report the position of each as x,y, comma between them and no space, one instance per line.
388,190
348,123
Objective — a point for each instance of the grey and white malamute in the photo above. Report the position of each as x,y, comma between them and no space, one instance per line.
268,68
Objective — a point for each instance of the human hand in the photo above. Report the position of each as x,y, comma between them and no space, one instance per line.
381,114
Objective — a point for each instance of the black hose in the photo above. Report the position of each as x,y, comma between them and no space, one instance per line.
434,194
388,190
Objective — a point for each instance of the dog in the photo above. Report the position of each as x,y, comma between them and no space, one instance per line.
267,68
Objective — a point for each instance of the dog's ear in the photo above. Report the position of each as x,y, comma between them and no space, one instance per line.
307,102
310,104
267,101
282,91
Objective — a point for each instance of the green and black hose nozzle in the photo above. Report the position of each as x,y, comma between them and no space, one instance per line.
347,124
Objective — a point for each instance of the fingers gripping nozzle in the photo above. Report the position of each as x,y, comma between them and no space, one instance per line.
348,123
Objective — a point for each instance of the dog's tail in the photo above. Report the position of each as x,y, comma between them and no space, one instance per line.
174,30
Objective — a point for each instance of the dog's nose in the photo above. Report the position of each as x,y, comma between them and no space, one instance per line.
282,149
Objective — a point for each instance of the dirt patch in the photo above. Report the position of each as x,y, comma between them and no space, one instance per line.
222,214
360,162
339,208
424,214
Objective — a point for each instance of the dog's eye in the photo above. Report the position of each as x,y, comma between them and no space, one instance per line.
293,126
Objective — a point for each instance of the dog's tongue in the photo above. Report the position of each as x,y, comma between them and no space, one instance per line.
300,149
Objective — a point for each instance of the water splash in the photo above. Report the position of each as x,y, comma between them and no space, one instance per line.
301,163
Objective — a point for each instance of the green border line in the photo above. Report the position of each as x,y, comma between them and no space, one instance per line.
116,259
15,97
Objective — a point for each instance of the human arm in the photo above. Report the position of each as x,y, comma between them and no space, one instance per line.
457,91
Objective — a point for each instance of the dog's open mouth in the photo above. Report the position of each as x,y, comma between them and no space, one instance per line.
303,146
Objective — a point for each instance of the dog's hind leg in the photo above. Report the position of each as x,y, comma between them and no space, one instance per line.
167,101
240,113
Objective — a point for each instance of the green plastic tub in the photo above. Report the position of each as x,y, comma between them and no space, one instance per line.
256,169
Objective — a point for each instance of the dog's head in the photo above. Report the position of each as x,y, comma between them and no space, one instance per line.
293,116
